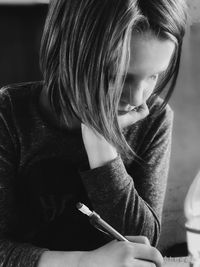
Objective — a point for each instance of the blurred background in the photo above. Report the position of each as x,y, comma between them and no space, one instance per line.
21,27
21,24
185,156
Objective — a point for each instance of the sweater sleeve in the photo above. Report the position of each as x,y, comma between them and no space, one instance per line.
12,253
131,201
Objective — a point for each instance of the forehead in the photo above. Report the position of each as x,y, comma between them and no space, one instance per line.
148,54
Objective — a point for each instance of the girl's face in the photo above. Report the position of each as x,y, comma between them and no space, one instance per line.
149,58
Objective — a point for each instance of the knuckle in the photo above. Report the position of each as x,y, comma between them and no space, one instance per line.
122,245
156,255
146,112
145,240
127,249
127,262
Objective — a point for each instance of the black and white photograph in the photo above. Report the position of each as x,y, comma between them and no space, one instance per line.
99,133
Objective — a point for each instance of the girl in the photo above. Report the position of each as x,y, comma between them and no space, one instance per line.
94,130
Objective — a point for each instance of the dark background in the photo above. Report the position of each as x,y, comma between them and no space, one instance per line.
20,34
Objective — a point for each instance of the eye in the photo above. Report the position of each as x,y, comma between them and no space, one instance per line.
153,77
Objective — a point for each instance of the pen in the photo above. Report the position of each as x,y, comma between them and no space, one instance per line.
95,219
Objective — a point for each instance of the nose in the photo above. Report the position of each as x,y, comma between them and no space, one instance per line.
136,94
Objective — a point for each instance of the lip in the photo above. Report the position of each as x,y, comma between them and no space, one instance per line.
125,107
125,111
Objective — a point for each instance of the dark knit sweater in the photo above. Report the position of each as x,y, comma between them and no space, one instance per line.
41,181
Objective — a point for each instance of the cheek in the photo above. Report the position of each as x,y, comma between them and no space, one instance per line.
125,92
150,88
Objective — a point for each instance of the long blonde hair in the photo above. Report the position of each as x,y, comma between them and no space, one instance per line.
85,55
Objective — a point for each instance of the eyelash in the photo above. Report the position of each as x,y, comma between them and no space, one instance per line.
153,77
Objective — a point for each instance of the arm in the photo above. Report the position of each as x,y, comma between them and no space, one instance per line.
151,176
132,201
12,253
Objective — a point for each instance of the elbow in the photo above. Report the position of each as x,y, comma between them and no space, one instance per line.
152,229
155,233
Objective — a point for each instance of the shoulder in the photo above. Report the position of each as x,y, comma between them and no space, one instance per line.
158,118
17,97
159,122
157,125
18,90
16,104
163,115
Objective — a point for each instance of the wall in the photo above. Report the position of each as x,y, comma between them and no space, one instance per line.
185,161
20,31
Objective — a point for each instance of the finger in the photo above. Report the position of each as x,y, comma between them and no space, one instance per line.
148,253
142,263
139,239
133,116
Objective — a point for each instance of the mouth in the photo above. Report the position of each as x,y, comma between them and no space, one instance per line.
125,108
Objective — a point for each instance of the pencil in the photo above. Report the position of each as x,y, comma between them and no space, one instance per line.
97,220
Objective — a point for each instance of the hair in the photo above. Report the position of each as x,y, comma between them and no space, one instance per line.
85,55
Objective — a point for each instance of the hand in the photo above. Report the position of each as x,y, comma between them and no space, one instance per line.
137,253
99,151
133,116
